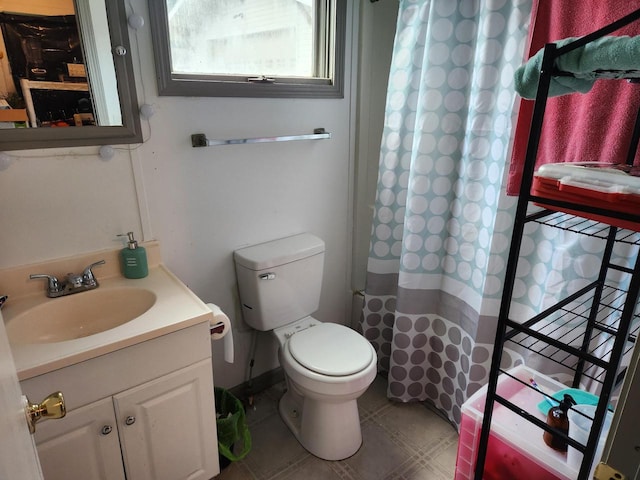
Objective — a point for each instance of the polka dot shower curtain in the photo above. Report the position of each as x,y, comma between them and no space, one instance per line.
442,223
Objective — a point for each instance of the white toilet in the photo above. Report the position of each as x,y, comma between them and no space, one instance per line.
327,366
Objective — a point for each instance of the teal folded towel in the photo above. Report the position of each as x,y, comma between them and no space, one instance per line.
606,53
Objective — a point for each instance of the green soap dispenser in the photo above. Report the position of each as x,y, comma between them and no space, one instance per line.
133,259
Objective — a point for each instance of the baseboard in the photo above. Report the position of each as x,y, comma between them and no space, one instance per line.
258,384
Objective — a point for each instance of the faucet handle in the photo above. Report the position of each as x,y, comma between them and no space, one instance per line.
87,275
73,280
53,285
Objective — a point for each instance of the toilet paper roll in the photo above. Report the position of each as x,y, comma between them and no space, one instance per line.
220,328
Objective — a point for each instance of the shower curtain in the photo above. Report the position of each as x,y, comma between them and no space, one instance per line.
442,222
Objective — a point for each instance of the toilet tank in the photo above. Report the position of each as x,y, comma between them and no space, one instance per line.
280,280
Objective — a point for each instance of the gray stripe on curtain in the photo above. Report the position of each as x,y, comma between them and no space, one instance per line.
416,302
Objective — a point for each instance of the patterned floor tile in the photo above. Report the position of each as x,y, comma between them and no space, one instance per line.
400,442
274,448
415,425
313,468
378,456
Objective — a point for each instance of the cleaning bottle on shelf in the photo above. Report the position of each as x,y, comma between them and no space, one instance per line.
133,258
557,418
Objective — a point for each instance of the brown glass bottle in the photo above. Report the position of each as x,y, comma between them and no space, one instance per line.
557,418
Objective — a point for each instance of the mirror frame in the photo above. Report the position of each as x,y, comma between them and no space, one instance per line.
129,132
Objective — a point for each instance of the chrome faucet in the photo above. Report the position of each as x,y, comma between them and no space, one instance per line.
72,283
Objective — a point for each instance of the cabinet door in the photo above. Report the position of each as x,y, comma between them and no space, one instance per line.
167,427
84,444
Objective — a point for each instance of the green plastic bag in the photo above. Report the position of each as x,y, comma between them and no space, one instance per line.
232,425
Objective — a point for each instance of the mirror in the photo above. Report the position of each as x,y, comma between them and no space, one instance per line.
67,78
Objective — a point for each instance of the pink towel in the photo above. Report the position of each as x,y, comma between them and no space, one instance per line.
578,127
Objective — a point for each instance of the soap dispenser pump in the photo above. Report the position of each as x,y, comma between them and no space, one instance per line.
133,258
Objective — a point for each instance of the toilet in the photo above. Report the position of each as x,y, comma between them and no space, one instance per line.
327,366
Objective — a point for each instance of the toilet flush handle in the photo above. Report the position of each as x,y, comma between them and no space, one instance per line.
267,276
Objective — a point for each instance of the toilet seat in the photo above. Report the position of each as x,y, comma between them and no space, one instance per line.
330,349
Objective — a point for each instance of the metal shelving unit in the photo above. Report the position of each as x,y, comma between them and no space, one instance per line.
586,331
584,322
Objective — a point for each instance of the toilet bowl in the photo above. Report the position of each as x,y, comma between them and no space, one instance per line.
327,366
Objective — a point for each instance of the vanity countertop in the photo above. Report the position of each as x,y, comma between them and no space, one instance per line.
176,307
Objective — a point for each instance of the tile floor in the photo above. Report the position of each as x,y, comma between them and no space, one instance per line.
400,442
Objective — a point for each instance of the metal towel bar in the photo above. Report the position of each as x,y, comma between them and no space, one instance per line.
201,140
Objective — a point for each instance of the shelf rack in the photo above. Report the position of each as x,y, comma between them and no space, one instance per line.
582,324
587,331
28,85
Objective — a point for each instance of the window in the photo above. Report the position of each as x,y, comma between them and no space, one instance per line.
249,48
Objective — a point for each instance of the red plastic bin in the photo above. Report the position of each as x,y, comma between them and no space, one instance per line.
594,184
516,449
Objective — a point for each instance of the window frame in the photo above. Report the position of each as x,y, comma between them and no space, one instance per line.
173,84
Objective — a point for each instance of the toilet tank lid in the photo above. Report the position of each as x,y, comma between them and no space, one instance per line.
279,252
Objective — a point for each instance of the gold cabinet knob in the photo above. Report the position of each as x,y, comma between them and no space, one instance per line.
50,407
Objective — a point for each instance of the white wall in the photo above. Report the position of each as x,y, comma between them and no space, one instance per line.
55,203
206,202
200,203
377,31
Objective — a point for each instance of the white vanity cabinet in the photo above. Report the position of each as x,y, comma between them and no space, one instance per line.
145,412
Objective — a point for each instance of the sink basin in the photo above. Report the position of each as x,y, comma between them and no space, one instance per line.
79,315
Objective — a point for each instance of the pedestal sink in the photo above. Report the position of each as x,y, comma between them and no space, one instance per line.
79,315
